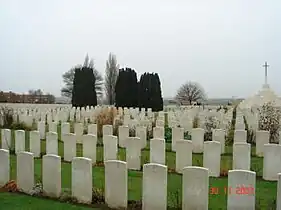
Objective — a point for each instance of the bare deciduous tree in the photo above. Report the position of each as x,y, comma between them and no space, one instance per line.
68,78
37,92
111,74
190,92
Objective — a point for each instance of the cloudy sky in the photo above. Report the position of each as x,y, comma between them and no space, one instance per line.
220,44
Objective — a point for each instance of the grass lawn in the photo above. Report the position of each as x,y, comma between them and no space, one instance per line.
265,191
13,201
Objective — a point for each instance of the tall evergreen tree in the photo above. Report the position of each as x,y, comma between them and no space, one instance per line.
119,97
141,91
150,95
158,106
126,88
84,93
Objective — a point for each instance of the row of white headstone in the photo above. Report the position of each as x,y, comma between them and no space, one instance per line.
195,182
212,151
240,136
59,114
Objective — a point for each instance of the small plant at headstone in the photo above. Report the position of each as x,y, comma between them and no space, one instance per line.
269,120
134,205
175,199
10,186
168,133
132,131
117,122
37,190
226,165
97,196
67,197
211,123
186,136
250,133
105,117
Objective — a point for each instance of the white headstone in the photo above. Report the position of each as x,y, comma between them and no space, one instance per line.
52,143
195,185
42,129
197,136
110,147
90,147
262,138
51,175
159,132
116,184
123,134
183,154
35,144
241,190
69,146
141,132
241,156
25,171
19,141
157,151
81,179
240,136
78,130
53,127
212,157
6,139
107,130
177,134
93,129
219,135
4,167
154,189
271,162
133,153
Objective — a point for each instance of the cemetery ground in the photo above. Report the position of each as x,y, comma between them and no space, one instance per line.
265,190
13,201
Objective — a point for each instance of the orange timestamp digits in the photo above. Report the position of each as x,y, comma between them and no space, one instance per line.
238,190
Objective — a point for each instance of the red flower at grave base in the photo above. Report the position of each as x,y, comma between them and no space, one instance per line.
11,186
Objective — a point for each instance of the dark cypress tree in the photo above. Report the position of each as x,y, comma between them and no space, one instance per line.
84,93
134,89
141,92
158,103
76,86
144,91
126,88
149,86
119,96
90,98
150,95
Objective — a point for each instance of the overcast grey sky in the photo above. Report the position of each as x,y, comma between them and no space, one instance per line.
222,44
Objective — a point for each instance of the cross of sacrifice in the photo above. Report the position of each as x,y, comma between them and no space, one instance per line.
265,67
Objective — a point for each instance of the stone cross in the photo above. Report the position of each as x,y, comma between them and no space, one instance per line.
265,66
